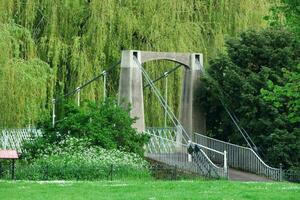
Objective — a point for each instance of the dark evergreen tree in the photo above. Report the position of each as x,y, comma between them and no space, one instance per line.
243,79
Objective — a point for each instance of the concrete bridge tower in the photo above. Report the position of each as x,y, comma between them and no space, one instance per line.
131,86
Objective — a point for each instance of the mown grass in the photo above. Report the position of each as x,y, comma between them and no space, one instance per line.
23,190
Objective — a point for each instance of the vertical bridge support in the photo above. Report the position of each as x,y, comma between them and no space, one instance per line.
131,87
191,116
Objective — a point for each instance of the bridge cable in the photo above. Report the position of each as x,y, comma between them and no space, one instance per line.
103,73
165,74
232,116
77,90
162,101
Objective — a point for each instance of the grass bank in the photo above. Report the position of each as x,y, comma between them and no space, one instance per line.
32,190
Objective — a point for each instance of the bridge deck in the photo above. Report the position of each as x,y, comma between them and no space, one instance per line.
236,175
180,159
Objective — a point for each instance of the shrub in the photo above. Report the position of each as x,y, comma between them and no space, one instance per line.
104,125
71,159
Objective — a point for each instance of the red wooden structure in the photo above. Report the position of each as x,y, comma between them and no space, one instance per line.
10,154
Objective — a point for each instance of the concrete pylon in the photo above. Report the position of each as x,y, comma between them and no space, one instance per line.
191,116
131,87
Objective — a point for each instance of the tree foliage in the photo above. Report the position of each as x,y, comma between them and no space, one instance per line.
105,125
291,10
286,97
80,38
258,81
25,80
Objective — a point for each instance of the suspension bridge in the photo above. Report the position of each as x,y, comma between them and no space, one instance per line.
184,144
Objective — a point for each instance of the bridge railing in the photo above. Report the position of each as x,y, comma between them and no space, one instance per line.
239,157
14,138
163,147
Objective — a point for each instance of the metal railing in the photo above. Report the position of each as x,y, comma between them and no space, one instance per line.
163,147
239,157
291,175
14,138
204,162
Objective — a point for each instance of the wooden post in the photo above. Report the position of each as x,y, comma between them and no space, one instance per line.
0,170
13,169
10,154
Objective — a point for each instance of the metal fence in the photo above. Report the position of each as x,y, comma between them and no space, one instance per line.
239,157
163,147
14,138
291,175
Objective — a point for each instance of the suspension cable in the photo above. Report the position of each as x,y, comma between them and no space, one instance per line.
165,74
236,121
162,101
77,90
233,117
103,73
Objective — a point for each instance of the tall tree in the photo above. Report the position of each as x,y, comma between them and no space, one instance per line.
258,81
80,38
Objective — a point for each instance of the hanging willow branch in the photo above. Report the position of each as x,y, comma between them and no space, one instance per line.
77,38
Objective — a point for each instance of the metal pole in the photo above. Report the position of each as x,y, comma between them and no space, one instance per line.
166,97
104,85
225,164
280,172
53,112
78,96
189,155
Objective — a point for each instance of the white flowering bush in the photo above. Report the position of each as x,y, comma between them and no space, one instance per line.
74,159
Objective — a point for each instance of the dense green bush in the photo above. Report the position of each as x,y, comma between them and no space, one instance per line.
105,125
91,142
72,159
257,80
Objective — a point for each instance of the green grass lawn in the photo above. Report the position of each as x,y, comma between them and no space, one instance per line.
65,190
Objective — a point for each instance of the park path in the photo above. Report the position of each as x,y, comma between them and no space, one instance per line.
236,175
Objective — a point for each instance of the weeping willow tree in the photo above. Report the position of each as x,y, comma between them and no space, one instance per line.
24,79
77,39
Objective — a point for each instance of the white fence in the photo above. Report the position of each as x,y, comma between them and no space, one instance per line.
164,148
239,157
14,138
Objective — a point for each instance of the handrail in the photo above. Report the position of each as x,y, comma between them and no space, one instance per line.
238,157
262,160
209,160
164,147
210,149
238,147
168,140
161,128
220,140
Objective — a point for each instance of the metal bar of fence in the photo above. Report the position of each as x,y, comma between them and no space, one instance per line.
240,157
175,153
207,148
14,138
